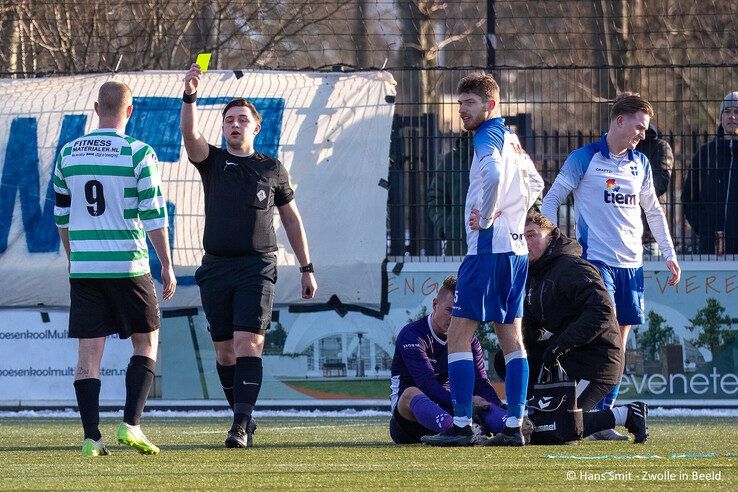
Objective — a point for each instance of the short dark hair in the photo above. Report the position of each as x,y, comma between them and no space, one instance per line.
448,286
630,103
481,84
541,220
241,102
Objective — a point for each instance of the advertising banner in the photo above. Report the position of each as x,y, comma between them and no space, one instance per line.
330,130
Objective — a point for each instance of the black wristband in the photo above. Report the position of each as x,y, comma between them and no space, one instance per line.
189,98
307,268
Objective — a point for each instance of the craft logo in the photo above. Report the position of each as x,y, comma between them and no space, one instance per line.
613,195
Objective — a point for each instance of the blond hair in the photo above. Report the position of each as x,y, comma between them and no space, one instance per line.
113,98
448,286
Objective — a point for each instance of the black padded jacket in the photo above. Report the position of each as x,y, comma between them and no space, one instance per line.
565,295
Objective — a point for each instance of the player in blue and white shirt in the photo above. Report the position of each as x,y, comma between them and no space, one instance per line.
503,184
611,182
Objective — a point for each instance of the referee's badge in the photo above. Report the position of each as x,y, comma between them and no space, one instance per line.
261,195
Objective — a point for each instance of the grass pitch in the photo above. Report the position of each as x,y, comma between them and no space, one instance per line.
352,453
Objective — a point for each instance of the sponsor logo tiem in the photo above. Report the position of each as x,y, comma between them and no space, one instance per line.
612,194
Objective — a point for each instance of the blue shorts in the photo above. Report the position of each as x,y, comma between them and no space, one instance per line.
491,287
625,286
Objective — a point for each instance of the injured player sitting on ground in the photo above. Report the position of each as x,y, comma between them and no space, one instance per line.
421,399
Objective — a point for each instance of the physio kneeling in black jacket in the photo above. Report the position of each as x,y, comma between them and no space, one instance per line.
568,315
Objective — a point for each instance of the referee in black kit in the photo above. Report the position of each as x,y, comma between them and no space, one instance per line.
239,269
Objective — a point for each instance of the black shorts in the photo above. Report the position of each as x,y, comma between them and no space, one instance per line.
403,431
103,306
237,293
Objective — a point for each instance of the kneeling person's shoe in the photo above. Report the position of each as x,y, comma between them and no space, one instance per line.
510,436
453,436
608,435
238,437
90,447
131,435
636,422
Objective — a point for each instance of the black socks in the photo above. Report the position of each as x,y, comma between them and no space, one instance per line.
246,386
598,421
139,376
227,374
88,401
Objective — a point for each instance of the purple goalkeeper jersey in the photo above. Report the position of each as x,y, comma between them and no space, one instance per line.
421,360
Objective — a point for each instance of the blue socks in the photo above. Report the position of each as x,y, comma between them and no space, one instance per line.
608,401
516,386
461,379
430,415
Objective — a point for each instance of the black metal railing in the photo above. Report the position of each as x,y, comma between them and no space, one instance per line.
430,153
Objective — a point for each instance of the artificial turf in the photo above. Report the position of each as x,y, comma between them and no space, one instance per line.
352,453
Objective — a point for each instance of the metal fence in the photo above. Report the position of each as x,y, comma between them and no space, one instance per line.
554,111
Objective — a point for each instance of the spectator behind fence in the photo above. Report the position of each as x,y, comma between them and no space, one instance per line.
710,191
446,194
659,154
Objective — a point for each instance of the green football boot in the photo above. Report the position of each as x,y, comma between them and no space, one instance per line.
91,447
133,436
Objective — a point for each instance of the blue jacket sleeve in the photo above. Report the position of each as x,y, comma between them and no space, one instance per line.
420,368
482,386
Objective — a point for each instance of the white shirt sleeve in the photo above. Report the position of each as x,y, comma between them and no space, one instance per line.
655,217
535,181
555,197
567,180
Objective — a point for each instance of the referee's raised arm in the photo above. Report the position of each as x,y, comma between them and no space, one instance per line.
195,144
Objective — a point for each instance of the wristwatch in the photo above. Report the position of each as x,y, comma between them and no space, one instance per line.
307,268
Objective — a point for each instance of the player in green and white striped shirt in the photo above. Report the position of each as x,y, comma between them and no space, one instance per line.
108,198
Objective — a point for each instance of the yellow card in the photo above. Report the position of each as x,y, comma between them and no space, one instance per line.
203,59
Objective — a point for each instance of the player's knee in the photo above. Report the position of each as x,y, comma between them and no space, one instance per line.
145,344
461,331
248,344
407,396
403,403
225,353
510,340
